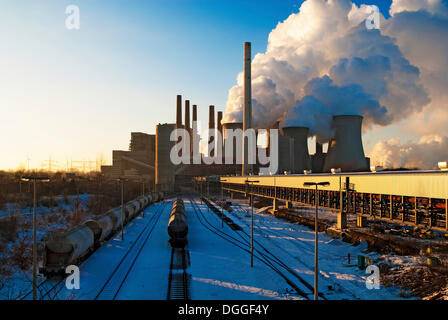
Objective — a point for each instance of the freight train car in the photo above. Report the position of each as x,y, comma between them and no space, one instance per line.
178,225
74,245
67,248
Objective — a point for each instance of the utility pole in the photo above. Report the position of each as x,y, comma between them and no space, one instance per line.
316,234
222,205
251,223
34,179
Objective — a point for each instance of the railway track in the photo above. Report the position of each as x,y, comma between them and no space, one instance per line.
118,276
179,279
47,290
246,237
260,253
300,245
309,248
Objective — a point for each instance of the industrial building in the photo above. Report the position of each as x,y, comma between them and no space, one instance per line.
149,155
415,198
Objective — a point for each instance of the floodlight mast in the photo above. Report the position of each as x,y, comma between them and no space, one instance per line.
34,179
316,233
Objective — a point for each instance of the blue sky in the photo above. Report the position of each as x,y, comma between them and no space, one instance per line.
78,94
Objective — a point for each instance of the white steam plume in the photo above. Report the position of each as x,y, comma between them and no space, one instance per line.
323,61
425,154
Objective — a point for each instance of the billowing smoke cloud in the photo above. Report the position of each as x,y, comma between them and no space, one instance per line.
431,6
324,99
420,29
424,154
323,61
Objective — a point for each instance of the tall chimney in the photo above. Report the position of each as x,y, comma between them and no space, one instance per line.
179,111
247,107
211,125
194,129
195,113
187,115
219,124
211,117
187,123
220,143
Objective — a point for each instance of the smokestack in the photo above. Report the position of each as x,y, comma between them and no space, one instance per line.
247,107
179,111
195,113
211,117
187,115
187,123
218,120
195,138
211,125
300,157
220,143
345,150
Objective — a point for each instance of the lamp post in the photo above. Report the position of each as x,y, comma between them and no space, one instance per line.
251,224
222,201
34,179
316,234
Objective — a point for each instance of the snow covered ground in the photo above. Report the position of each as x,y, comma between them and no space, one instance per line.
16,284
221,270
294,244
27,212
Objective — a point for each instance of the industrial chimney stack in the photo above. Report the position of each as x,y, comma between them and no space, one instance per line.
247,107
187,123
179,112
194,128
211,125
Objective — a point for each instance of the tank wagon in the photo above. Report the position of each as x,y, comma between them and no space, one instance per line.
178,225
73,246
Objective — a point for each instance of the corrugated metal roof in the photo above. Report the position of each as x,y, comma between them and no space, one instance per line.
427,184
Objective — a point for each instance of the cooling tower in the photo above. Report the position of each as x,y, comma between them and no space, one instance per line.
345,150
301,159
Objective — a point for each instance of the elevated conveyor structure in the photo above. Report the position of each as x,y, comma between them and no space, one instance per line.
417,198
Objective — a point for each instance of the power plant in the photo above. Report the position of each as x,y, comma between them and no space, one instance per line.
149,154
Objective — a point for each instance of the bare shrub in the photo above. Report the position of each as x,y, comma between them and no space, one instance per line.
8,228
22,253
